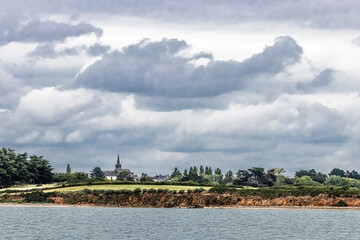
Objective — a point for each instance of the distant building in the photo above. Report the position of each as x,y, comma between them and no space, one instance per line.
111,175
161,178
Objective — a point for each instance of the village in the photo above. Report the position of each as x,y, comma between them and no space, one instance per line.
120,173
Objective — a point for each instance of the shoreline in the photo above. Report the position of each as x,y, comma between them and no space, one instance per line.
227,207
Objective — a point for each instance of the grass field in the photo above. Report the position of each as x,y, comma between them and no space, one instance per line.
125,186
29,186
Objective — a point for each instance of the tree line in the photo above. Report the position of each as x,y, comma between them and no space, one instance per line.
18,168
258,177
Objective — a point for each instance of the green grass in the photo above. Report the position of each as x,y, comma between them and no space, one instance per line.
125,187
28,187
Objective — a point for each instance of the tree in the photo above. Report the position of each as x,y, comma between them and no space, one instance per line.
228,177
270,177
40,170
257,176
68,169
319,177
305,181
123,176
201,170
316,176
337,172
208,170
242,178
353,174
185,174
218,171
176,173
146,178
97,173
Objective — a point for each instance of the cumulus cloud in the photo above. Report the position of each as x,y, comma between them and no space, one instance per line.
45,31
11,89
323,79
155,68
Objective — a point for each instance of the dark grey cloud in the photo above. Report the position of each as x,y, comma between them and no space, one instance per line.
155,68
323,79
45,31
330,14
47,50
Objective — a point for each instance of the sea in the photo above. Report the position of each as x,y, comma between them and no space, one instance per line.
20,222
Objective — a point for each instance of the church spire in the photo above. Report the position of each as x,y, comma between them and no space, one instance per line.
118,165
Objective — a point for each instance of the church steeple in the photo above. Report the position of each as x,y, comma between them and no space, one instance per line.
118,165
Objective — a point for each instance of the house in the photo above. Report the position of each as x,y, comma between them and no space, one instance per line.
161,178
111,175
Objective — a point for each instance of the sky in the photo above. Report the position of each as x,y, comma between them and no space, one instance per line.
228,84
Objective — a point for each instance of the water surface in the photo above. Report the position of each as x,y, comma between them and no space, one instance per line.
153,223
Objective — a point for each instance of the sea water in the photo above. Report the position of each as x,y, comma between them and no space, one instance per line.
154,223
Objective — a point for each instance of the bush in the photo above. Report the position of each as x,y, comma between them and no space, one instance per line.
305,181
223,189
160,190
174,191
181,191
201,189
37,197
144,190
189,191
165,190
137,191
87,191
152,190
341,203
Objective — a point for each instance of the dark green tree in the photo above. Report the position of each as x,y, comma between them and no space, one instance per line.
123,176
176,173
201,170
97,173
68,169
208,170
40,170
242,177
185,174
337,172
228,177
353,174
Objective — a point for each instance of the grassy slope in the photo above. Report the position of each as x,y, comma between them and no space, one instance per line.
125,186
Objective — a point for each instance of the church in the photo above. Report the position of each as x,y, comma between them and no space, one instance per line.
111,175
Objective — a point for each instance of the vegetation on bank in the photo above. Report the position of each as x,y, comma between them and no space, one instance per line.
129,187
20,169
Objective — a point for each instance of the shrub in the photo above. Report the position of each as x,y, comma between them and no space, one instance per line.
174,191
160,190
137,191
305,181
189,191
152,190
37,197
223,189
87,191
201,189
341,203
181,191
144,190
165,190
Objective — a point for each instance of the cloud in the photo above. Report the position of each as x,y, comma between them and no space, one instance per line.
322,14
323,79
156,68
47,50
45,31
11,89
